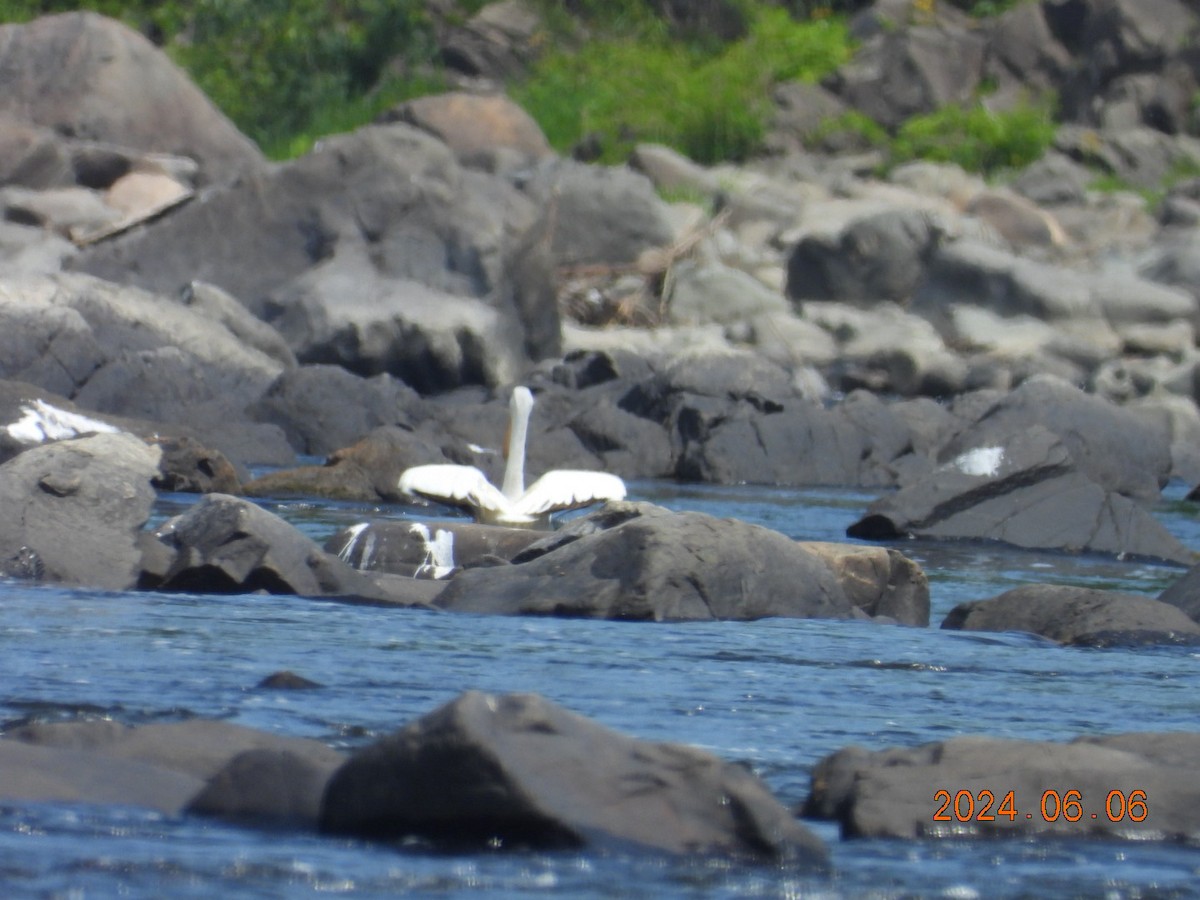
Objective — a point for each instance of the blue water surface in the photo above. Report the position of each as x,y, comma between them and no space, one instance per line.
777,694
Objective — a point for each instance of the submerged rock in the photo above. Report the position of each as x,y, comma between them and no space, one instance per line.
1077,615
519,772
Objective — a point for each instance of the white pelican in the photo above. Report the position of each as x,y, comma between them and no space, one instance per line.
467,487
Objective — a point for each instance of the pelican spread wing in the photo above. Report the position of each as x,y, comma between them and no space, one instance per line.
468,488
563,489
462,486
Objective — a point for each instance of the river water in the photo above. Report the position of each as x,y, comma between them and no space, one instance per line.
777,694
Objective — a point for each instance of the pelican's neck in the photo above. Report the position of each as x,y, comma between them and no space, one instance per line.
519,408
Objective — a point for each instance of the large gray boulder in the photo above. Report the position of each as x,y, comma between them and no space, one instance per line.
322,408
84,75
122,350
639,562
1028,491
902,72
1119,448
344,312
520,772
388,201
1077,615
1124,786
876,258
78,506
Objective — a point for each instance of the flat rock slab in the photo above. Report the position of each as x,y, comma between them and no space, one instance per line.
1077,615
517,771
202,766
1134,786
1026,492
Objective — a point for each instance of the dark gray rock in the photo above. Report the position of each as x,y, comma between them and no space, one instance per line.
1023,53
902,72
79,505
279,787
325,408
1076,615
876,258
639,562
521,772
1119,448
1026,491
226,545
760,441
894,792
1185,593
188,466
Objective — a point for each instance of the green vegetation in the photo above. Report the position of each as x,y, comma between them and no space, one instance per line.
710,103
289,71
976,138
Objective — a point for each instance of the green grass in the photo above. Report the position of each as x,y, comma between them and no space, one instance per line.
977,138
710,105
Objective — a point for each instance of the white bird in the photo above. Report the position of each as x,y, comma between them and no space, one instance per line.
467,487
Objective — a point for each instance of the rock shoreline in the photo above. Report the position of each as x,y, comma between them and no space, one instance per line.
1012,363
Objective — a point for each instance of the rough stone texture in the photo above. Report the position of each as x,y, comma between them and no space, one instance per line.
639,562
891,792
1077,615
79,505
519,771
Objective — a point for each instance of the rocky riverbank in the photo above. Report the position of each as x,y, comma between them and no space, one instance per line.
1012,363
